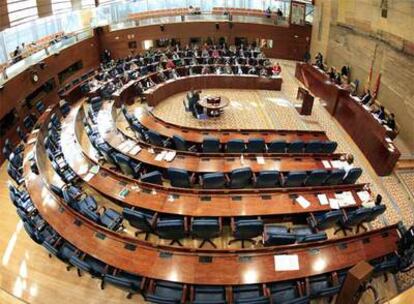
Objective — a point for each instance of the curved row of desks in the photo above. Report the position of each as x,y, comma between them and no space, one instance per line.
281,162
186,202
364,129
240,266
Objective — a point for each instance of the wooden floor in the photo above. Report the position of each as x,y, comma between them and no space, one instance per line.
27,275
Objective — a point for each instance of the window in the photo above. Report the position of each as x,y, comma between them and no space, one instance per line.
60,6
21,11
88,3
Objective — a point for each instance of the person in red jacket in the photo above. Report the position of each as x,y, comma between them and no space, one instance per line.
170,64
277,69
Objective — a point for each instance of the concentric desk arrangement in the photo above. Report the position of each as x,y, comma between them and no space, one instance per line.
227,216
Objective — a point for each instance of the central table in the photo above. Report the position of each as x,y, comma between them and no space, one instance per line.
214,108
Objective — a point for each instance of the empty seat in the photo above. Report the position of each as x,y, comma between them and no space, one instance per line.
277,146
142,220
316,178
235,146
106,151
127,165
171,229
278,235
127,281
313,146
205,229
213,180
180,143
387,264
335,177
322,286
295,179
325,220
240,178
287,293
154,177
250,294
374,213
111,219
245,229
156,139
352,176
329,146
179,178
40,107
88,264
211,145
296,146
267,179
305,235
164,292
256,145
209,295
353,218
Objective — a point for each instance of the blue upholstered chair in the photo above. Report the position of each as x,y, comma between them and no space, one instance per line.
306,235
211,145
204,294
296,146
256,145
172,229
295,179
324,220
267,179
245,229
277,146
322,286
156,139
375,212
250,294
127,165
181,144
142,220
277,235
154,177
287,293
352,176
40,107
126,281
235,146
180,178
205,229
164,292
240,178
353,219
215,180
329,146
313,146
335,177
111,219
316,178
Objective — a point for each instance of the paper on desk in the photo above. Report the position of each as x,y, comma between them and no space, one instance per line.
323,199
326,164
345,199
88,177
169,156
333,202
364,196
303,202
242,159
160,156
388,139
94,169
337,164
286,262
135,150
260,160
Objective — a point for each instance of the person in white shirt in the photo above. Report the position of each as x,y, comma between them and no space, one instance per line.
347,163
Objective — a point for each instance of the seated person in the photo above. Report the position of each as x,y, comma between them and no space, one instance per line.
366,98
380,113
204,53
276,69
390,122
170,64
263,72
219,70
205,70
239,70
319,60
268,12
347,163
148,83
252,71
215,53
279,13
338,79
332,73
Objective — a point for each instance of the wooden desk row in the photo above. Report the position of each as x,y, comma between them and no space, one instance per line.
186,202
191,163
232,267
363,128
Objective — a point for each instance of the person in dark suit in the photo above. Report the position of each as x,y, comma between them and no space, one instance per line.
380,113
391,122
366,98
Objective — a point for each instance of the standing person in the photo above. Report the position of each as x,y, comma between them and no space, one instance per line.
276,69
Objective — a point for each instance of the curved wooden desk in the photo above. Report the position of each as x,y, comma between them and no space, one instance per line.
213,109
282,162
363,128
186,202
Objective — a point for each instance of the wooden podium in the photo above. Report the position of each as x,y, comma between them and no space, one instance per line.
307,101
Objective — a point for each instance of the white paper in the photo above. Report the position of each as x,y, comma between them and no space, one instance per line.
303,202
135,150
364,196
160,156
31,140
388,139
169,156
345,199
88,177
260,160
337,164
326,164
323,199
286,262
333,202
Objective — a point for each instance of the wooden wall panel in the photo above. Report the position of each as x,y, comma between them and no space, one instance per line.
288,43
44,8
4,17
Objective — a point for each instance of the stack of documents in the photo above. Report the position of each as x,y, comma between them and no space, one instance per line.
286,262
345,199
